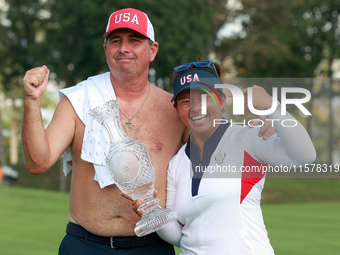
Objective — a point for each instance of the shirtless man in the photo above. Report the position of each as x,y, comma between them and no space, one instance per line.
101,220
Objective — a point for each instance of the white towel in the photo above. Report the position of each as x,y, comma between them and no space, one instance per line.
93,92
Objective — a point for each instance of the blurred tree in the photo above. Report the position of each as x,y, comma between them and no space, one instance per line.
3,160
283,38
20,27
287,39
73,43
320,23
19,40
263,47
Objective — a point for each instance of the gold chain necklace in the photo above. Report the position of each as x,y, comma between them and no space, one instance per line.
128,123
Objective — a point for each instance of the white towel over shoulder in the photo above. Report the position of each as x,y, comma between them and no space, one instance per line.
86,95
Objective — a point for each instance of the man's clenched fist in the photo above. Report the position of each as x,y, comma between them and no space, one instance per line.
35,81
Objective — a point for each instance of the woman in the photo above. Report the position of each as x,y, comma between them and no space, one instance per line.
223,215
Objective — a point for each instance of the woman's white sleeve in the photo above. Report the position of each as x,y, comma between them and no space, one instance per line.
295,141
172,232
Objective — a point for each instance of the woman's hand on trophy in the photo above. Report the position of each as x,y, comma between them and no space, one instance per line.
135,206
126,196
137,203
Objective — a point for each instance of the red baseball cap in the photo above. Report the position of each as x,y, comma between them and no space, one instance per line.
132,19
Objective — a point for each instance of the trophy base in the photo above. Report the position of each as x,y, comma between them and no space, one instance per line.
154,220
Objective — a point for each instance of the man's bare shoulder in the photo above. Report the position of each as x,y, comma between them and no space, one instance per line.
162,92
163,99
64,114
65,107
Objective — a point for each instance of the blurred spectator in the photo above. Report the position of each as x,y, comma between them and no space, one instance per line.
2,175
8,175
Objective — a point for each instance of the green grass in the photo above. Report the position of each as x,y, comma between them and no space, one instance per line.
31,221
297,190
34,221
312,228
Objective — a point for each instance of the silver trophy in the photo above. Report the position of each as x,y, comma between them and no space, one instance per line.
131,168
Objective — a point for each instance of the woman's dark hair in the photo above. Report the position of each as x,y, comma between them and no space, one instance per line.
218,69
